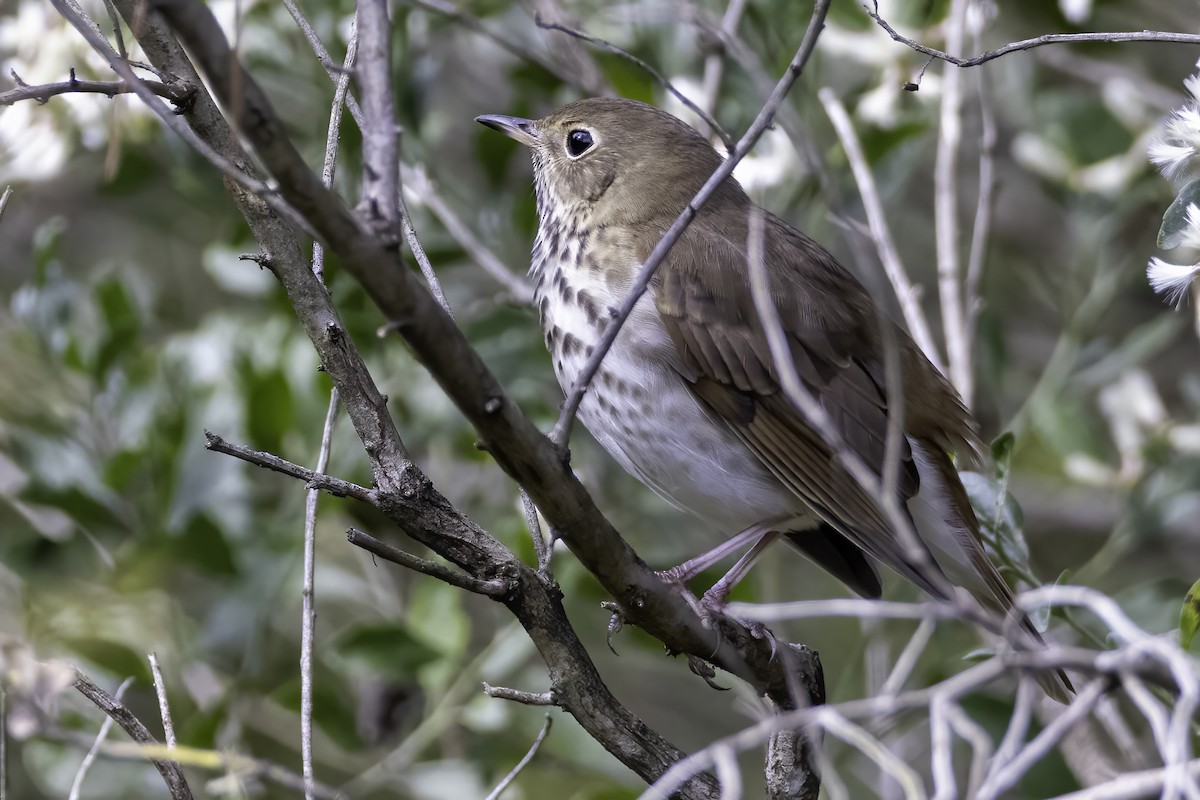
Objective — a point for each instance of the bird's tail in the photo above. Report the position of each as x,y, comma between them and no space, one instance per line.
942,513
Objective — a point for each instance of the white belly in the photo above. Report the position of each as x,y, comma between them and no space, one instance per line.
647,418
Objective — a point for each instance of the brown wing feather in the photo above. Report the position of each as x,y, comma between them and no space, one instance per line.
708,312
705,303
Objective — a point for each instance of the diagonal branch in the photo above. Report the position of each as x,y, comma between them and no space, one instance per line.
171,772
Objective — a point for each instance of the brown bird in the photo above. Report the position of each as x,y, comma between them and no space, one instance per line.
688,400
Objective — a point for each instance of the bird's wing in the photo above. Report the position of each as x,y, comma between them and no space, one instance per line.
702,294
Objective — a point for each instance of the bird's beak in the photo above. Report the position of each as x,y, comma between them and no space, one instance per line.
523,130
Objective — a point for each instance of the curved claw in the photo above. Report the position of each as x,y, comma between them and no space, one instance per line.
615,623
705,670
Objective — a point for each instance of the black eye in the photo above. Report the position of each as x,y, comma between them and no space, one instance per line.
578,142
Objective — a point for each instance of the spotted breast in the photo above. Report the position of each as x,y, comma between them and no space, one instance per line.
642,414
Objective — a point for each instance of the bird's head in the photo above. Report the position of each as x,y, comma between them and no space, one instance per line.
622,160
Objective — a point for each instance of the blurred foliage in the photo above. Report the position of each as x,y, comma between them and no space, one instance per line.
130,325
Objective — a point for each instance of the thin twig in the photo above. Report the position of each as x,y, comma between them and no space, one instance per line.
418,251
1131,785
419,185
562,429
713,125
335,486
981,231
336,74
308,592
171,772
945,207
87,27
714,62
1037,41
907,295
521,51
520,695
1046,740
533,749
175,93
116,29
341,99
164,707
495,587
4,198
541,548
907,659
729,774
94,750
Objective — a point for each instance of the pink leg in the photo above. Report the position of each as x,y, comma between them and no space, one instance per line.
720,590
694,566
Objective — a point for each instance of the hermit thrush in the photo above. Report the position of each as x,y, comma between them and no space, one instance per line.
688,399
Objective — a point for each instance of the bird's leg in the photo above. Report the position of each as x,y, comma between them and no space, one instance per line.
680,575
719,593
714,600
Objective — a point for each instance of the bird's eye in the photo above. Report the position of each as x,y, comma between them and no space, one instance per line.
578,143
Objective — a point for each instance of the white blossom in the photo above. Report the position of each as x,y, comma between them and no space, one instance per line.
1171,280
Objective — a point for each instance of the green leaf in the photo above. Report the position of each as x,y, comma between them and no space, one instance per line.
121,320
1189,616
110,656
1175,221
270,411
1002,449
388,650
203,544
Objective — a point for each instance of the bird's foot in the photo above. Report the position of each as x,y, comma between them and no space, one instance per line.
715,603
706,671
615,623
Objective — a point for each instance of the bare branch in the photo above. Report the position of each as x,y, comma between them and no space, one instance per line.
70,10
909,296
419,185
308,592
171,772
491,588
339,75
533,749
945,208
164,708
713,125
177,94
335,486
520,695
562,429
1029,44
1045,741
94,750
981,231
714,62
474,23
